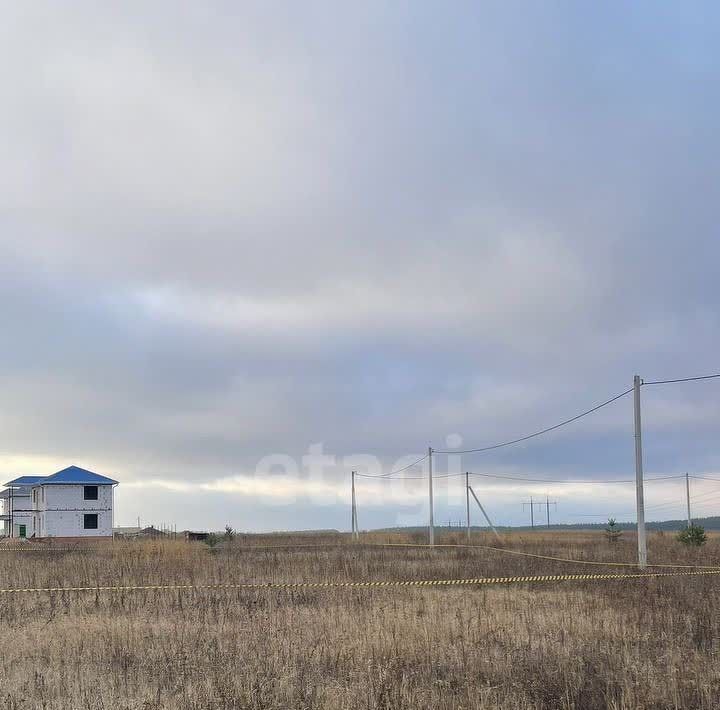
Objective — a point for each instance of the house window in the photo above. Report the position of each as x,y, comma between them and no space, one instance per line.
90,493
34,496
91,521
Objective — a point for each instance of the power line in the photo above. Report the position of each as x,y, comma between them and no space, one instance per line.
576,417
542,431
525,480
706,498
392,473
699,504
412,478
669,504
682,379
567,480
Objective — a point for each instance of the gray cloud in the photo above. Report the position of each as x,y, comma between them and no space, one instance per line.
229,231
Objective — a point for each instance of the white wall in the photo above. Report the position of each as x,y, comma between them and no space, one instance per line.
23,518
61,511
22,514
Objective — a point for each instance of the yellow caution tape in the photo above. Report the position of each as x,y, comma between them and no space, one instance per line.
321,545
484,581
542,557
53,550
249,548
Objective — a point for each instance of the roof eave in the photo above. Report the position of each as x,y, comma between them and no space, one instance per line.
75,483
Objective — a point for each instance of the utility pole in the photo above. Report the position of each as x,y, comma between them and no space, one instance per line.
352,505
639,486
431,521
532,505
532,515
355,515
687,495
547,505
487,517
467,502
532,512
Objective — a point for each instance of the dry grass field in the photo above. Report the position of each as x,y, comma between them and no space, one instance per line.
648,643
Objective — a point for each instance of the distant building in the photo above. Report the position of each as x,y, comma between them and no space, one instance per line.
152,532
72,503
191,535
127,532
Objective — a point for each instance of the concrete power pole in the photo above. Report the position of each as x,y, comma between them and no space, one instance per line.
467,502
687,495
482,510
532,512
431,521
548,503
352,512
639,485
532,505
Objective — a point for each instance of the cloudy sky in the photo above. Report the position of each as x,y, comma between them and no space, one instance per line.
230,231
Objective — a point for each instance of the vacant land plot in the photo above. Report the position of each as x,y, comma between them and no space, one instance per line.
648,643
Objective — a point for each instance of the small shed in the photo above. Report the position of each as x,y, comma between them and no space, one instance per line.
192,536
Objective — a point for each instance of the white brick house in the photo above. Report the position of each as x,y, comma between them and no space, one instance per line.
71,503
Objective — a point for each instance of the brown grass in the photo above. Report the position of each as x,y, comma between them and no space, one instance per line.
640,644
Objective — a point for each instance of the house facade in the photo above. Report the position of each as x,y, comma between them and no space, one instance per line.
72,503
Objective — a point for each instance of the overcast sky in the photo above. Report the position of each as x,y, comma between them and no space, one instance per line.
236,230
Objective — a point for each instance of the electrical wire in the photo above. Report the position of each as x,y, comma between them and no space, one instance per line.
713,495
538,433
681,379
569,480
525,480
669,504
521,553
543,431
392,473
413,478
705,503
704,497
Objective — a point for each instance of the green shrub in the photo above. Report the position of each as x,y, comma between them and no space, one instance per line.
693,535
612,531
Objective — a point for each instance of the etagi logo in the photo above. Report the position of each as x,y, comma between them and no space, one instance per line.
322,478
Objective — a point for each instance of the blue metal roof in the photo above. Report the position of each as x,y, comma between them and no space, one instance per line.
25,481
75,474
72,474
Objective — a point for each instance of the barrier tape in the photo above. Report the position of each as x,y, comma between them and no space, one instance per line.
7,548
478,581
319,545
542,557
305,546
